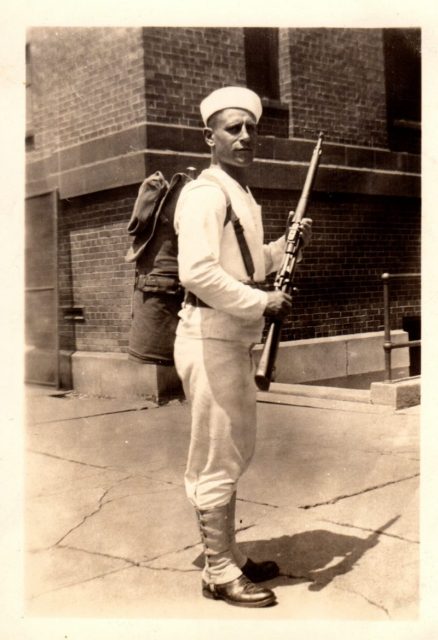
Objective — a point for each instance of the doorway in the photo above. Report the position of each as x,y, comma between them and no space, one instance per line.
41,290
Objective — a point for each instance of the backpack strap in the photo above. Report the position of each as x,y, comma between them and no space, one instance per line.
238,229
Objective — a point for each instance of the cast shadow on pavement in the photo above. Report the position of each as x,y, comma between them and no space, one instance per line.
311,556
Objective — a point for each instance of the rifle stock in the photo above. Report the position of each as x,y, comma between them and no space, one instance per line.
284,277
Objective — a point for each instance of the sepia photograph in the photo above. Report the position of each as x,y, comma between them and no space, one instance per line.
222,324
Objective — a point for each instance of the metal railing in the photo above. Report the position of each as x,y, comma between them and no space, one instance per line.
388,345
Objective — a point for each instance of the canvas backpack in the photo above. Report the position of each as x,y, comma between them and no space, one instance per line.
158,294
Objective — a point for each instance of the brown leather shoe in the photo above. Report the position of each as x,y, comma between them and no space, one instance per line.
260,571
240,592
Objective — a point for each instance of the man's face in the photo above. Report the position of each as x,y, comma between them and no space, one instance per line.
232,135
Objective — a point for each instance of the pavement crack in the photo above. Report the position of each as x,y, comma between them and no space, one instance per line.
52,455
78,582
147,561
153,479
91,415
168,553
378,531
263,504
248,526
169,569
100,505
361,595
77,526
110,556
357,493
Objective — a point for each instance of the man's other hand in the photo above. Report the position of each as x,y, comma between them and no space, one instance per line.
306,231
279,304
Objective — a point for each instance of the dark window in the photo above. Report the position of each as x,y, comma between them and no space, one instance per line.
261,61
262,76
402,49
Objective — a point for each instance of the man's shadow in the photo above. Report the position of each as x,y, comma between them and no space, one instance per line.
311,556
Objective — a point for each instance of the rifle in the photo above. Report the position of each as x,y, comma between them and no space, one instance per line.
284,276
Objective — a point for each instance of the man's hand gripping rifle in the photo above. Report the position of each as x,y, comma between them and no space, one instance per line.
284,278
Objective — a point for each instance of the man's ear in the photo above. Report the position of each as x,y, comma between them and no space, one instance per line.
208,136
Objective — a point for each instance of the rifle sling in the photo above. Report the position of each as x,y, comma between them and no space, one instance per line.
241,241
238,229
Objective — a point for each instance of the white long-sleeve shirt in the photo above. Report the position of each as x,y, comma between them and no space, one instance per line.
210,261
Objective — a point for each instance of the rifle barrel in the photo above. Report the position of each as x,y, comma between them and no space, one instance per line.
266,364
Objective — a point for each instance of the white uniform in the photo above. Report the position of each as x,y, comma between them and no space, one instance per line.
213,345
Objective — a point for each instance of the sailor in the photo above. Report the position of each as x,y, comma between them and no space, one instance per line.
221,320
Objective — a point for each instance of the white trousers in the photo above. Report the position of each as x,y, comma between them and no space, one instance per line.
218,381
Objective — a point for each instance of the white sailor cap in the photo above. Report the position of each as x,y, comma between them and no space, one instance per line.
231,97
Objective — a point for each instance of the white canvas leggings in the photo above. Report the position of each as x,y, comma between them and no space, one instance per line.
218,381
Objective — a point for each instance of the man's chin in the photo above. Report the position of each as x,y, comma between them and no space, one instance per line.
244,158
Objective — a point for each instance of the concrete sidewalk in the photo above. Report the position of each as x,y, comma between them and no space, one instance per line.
332,495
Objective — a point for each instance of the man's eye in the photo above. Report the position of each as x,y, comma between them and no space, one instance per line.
235,129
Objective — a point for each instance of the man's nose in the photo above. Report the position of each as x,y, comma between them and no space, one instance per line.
244,133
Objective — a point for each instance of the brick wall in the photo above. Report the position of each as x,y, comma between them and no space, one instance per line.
337,85
355,240
88,83
346,101
183,65
85,83
92,271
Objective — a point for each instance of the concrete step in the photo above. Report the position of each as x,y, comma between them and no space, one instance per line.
316,391
335,398
380,398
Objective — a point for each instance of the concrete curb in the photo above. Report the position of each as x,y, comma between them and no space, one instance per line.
396,395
